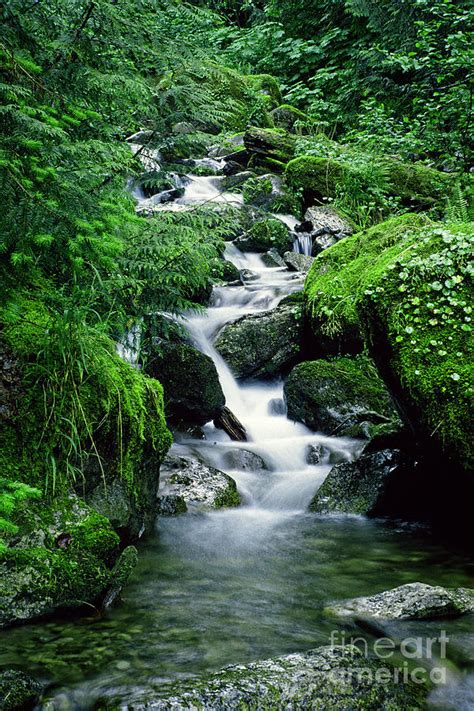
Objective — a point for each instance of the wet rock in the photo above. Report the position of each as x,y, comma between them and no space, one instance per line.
277,406
248,275
297,262
120,575
230,273
236,180
415,601
10,384
273,259
200,486
324,678
171,505
274,146
38,576
231,167
372,485
316,453
264,235
244,460
193,392
18,691
332,396
262,345
326,220
263,191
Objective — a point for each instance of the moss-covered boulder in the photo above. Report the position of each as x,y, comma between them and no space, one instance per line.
197,485
18,691
405,285
267,85
62,557
192,389
337,396
324,678
323,176
270,148
265,235
291,119
262,345
416,312
265,192
339,277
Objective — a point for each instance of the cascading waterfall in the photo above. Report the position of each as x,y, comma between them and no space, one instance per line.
289,481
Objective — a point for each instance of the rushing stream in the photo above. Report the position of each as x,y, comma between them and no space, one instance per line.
247,583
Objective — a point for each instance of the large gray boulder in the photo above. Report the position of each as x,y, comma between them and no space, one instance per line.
262,345
337,396
298,262
324,678
199,487
415,601
191,384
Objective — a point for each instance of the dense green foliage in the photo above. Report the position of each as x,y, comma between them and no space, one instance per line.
396,76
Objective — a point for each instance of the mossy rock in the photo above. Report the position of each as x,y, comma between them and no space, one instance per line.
336,677
61,558
265,235
189,485
18,691
414,183
267,85
333,396
192,389
338,278
262,345
291,119
405,285
271,144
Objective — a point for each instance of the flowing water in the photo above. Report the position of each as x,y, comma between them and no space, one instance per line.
247,583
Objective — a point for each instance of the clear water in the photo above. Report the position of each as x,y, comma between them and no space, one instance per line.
247,583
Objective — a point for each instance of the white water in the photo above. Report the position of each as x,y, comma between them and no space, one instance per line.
289,482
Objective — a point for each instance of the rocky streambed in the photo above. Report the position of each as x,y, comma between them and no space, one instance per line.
259,537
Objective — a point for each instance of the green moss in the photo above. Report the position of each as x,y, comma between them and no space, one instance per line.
407,281
267,85
265,234
417,182
291,118
337,395
423,300
270,144
94,535
81,402
318,175
18,691
229,497
340,274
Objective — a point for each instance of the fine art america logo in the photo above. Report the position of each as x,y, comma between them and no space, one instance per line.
402,660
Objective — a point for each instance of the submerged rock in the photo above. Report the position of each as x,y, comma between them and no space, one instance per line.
244,460
191,384
18,691
415,601
334,396
324,678
262,345
198,485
